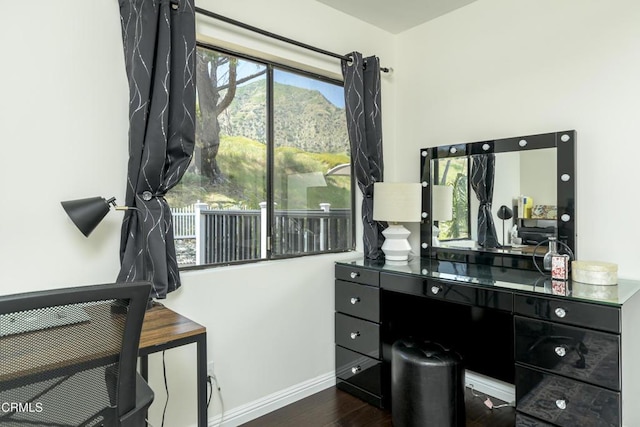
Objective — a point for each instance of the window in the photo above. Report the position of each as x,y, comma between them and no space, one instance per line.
454,172
270,176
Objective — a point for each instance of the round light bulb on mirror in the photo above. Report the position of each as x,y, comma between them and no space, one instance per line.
565,177
425,184
486,147
424,214
565,217
424,154
453,150
565,137
522,143
424,246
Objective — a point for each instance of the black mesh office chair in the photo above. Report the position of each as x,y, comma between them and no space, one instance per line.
68,357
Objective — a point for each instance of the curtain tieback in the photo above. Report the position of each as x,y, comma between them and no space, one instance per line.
148,195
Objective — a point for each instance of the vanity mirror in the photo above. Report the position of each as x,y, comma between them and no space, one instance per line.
492,202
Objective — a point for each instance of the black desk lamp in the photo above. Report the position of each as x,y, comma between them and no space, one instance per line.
504,213
86,214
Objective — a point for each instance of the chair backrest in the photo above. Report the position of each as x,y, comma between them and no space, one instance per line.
68,356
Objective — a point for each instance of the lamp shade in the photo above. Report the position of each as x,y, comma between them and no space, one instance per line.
86,214
397,201
442,202
504,212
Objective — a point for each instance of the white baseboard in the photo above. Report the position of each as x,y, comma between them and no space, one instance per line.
490,386
257,408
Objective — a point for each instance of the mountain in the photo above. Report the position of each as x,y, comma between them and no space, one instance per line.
303,118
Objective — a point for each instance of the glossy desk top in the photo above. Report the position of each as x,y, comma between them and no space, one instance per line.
504,278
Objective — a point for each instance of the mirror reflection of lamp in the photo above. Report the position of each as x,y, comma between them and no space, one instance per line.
396,202
504,213
441,208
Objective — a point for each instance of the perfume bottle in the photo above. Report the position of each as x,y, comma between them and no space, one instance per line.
553,250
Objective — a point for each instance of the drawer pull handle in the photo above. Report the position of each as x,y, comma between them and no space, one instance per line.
435,290
356,369
354,274
355,335
355,300
561,404
560,312
561,351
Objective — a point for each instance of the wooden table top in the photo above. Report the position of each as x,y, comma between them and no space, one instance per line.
162,325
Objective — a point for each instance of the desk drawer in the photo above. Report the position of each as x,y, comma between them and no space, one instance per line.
453,292
565,402
358,300
593,316
357,275
358,335
361,371
573,352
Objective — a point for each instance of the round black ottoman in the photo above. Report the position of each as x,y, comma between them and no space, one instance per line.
427,385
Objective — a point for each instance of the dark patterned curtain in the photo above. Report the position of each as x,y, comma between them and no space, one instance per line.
482,177
159,49
364,122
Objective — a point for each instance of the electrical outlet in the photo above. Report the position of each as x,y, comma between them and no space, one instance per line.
210,370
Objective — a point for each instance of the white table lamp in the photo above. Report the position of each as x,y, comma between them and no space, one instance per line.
396,202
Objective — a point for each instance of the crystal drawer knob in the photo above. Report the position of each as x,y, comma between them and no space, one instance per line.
560,312
435,290
355,335
355,300
561,404
356,369
354,274
560,351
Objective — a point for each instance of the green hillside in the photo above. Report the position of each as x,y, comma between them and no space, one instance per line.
303,118
244,163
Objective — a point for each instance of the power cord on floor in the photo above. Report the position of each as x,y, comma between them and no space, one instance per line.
166,387
212,380
487,400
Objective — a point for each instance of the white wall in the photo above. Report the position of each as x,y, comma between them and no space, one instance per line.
64,107
499,68
63,111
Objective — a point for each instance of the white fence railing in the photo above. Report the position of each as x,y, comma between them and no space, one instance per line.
205,236
184,222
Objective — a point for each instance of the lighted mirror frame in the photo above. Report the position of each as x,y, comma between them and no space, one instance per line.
563,142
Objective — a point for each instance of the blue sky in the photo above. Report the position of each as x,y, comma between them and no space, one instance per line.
334,93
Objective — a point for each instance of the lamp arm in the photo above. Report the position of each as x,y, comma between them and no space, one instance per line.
112,202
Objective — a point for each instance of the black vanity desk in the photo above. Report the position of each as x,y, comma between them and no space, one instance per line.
571,350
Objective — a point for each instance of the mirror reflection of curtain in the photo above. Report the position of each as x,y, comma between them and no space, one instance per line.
364,125
159,50
482,177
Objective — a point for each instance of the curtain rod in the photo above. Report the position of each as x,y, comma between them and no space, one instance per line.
276,36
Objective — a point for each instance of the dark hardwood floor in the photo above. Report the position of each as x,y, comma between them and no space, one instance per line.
333,407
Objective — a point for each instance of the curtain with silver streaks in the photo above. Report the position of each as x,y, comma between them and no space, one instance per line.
482,177
364,122
159,48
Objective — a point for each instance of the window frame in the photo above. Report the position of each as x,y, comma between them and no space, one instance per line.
271,65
